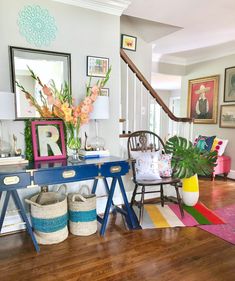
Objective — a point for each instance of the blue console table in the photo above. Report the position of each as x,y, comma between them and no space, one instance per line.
14,177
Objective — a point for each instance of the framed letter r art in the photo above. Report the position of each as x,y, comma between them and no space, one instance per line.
48,140
203,99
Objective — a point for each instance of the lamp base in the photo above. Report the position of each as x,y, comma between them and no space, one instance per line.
97,143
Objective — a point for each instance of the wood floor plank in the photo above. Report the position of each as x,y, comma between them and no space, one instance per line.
184,254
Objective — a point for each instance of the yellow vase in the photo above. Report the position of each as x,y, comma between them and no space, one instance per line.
190,190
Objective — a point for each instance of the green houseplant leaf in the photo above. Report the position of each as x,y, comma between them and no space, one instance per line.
188,160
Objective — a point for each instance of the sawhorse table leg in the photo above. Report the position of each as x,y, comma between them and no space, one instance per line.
110,192
22,212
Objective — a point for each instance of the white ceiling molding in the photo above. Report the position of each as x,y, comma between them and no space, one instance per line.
168,59
113,7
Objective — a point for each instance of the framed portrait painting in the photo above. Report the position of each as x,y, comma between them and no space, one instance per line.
48,140
203,99
128,42
227,116
229,84
97,66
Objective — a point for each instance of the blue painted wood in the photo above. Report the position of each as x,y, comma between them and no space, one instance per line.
114,211
4,209
108,206
106,169
24,180
94,186
129,216
23,215
84,172
51,172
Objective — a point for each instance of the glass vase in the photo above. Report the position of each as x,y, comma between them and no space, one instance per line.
73,142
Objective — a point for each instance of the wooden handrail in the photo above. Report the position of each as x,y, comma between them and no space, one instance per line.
149,88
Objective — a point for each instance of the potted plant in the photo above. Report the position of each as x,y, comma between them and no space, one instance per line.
188,162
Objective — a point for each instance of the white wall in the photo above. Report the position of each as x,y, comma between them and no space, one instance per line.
81,32
209,68
142,58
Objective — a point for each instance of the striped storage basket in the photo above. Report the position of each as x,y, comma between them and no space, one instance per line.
49,216
82,214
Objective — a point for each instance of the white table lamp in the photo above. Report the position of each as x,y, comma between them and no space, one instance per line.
100,111
7,106
7,112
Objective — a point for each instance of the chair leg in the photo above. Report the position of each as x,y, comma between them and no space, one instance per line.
142,205
162,195
134,194
179,201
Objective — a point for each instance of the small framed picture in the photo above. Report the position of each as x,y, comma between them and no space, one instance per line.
229,84
48,140
97,66
227,116
203,99
104,92
128,42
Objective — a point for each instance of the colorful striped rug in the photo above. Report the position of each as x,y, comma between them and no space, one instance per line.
156,216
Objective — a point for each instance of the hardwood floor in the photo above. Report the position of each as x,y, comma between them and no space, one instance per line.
184,254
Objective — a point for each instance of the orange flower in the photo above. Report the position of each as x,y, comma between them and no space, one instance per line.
46,112
85,109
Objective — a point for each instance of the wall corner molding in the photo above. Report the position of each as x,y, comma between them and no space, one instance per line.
113,7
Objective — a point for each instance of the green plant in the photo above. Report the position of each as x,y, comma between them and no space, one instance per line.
188,160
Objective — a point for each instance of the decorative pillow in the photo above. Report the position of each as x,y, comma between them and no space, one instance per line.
204,143
146,165
164,166
219,145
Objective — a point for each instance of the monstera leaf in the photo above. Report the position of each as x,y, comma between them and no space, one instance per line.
188,160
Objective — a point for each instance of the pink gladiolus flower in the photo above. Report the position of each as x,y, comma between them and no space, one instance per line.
50,100
87,101
47,91
75,114
93,97
95,90
57,103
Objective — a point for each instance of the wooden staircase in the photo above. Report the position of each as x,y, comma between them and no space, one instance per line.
133,76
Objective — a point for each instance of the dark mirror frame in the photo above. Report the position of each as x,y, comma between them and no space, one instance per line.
36,51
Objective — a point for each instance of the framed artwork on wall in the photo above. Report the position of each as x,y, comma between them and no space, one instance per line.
48,140
227,116
97,66
128,42
203,99
104,92
229,84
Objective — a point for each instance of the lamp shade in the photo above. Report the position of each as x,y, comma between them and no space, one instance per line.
100,108
7,106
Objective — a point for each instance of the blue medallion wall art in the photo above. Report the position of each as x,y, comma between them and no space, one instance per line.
37,25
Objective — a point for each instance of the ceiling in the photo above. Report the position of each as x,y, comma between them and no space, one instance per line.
161,81
205,24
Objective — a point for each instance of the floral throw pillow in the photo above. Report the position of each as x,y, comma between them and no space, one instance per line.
204,143
146,165
219,145
165,169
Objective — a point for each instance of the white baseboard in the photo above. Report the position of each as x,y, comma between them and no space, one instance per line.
231,175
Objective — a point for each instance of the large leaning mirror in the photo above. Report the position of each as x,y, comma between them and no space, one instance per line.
47,65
